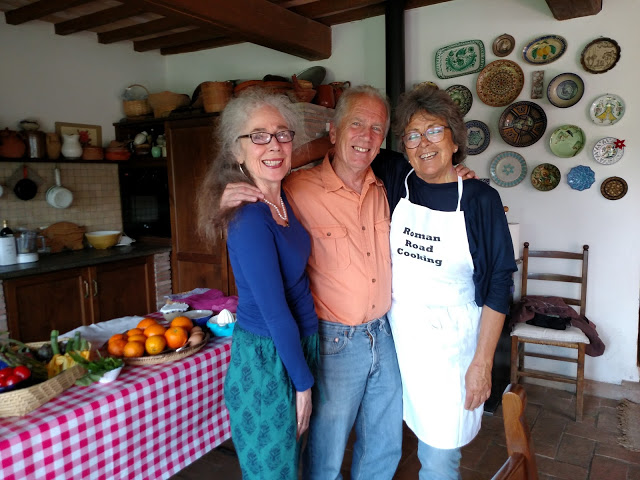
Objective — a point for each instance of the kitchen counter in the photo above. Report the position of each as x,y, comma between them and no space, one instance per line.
79,258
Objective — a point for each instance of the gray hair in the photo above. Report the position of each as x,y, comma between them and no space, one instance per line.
428,99
345,102
225,169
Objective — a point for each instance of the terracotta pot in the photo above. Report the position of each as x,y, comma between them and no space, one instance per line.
325,96
53,146
11,144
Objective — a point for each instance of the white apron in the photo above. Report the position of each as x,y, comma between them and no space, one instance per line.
435,320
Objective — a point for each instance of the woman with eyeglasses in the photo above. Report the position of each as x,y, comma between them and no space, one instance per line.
275,346
452,264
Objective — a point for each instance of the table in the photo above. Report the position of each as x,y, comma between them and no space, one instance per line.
150,423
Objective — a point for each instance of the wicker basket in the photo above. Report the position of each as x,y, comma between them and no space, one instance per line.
169,356
20,402
136,108
215,95
164,103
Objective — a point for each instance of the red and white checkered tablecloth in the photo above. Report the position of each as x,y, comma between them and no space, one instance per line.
150,423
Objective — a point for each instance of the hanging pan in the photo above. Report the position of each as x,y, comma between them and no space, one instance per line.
58,196
25,188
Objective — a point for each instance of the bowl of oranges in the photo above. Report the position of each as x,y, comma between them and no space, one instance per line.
151,342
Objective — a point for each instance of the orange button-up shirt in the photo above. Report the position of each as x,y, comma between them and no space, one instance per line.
350,263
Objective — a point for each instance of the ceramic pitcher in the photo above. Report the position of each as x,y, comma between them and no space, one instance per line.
71,148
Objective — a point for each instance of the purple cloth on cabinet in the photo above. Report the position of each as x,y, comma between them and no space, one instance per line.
211,300
528,306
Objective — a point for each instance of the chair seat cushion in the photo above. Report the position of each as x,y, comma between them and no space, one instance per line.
571,334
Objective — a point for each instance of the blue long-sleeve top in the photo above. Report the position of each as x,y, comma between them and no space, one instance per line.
487,228
274,299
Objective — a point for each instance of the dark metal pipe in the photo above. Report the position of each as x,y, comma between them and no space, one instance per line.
394,43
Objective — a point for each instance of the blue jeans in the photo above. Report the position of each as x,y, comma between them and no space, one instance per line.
439,464
358,382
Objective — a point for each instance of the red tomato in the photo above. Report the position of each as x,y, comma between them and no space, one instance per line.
22,372
11,380
5,372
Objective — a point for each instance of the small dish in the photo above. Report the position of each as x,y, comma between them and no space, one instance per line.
111,375
508,169
462,97
522,124
173,310
567,141
500,83
478,137
600,55
614,188
565,90
607,109
503,45
545,49
608,151
545,177
581,177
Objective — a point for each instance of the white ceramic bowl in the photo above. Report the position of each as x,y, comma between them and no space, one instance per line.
111,375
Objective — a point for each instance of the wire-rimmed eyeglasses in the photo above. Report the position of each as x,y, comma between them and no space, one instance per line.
433,134
262,138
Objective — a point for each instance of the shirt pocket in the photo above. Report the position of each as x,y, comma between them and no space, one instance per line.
382,229
330,247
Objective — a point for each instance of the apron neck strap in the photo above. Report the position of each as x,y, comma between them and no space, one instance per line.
406,189
460,188
406,185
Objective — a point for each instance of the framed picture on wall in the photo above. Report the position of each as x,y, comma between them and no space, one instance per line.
89,134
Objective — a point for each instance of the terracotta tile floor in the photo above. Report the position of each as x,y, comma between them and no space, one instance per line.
564,449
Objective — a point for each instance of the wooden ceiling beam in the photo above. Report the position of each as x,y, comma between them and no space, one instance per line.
257,21
97,19
568,9
336,7
42,8
140,30
174,39
196,46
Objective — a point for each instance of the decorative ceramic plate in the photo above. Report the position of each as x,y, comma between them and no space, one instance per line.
508,169
522,124
607,109
601,55
614,188
567,141
503,45
460,58
478,137
565,90
544,49
581,177
500,83
462,97
608,150
545,177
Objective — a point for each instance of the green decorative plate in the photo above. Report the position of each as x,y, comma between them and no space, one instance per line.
545,177
462,97
460,58
567,141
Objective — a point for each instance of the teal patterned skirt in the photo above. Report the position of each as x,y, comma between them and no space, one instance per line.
261,401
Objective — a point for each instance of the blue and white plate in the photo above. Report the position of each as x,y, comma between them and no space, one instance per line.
508,169
478,137
581,177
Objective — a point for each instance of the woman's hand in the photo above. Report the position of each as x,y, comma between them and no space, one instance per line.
303,411
464,172
236,193
478,385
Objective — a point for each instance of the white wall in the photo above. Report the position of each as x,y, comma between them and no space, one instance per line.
71,78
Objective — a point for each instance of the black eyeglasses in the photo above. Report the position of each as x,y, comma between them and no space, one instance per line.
262,138
433,134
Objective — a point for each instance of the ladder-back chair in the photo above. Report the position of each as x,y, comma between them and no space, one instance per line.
572,337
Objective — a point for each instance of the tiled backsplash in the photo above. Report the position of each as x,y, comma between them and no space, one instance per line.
96,196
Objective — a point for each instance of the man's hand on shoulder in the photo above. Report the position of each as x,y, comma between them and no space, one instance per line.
236,193
464,172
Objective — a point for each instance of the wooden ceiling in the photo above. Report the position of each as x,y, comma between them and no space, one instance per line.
297,27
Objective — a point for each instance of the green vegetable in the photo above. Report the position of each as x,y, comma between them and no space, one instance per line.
95,369
54,342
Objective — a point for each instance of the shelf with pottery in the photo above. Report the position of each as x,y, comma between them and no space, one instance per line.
58,160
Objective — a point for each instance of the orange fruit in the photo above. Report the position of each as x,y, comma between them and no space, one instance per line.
135,331
145,322
116,347
137,338
134,349
155,345
155,329
183,322
117,336
176,337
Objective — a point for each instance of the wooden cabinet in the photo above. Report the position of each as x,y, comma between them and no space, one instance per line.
194,262
71,298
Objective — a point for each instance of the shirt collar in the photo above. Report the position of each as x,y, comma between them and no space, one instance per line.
332,182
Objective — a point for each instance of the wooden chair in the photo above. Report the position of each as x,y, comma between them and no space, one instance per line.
521,464
572,337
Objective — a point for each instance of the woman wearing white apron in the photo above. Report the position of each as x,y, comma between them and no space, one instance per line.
452,263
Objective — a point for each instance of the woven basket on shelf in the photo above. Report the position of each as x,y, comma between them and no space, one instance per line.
20,402
136,108
164,103
215,95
